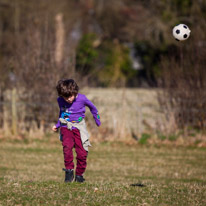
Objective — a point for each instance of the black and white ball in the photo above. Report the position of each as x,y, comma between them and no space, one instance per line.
181,32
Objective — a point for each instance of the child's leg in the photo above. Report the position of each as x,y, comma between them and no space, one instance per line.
81,153
68,144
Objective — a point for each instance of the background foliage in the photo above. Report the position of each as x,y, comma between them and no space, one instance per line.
117,43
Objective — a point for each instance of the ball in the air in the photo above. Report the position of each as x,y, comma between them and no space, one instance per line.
181,32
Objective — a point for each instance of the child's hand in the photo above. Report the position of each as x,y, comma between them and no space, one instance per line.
54,128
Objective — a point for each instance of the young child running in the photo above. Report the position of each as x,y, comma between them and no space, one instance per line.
73,132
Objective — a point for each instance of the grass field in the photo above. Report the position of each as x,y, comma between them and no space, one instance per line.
30,174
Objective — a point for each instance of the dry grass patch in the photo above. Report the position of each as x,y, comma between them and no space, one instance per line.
30,174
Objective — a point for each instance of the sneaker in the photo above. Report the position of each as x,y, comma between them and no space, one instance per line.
79,178
69,175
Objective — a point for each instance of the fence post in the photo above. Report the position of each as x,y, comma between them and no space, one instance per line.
139,117
14,112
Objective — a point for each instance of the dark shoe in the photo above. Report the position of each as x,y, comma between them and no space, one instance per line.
79,178
69,175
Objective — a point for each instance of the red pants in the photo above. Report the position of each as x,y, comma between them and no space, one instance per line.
72,139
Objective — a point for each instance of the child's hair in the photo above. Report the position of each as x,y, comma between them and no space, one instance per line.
67,88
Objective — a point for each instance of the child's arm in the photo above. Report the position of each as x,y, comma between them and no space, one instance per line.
93,110
56,126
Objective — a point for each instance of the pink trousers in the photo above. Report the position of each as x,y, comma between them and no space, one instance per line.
72,139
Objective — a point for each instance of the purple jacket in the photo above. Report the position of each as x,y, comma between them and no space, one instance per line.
75,111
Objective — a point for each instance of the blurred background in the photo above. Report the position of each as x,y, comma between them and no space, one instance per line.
146,85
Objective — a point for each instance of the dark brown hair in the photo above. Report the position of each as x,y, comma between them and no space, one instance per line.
67,88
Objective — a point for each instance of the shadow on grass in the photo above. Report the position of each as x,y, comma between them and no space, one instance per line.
138,185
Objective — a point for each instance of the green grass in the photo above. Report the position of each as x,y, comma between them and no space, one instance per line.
31,174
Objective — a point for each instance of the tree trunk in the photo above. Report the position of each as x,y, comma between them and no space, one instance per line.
14,112
60,38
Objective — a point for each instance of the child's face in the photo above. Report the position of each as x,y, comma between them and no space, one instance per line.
69,99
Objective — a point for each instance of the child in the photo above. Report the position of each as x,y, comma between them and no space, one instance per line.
73,132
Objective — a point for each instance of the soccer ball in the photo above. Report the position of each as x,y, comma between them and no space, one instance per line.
181,32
